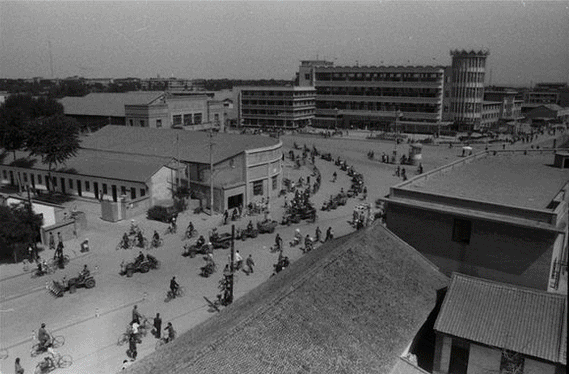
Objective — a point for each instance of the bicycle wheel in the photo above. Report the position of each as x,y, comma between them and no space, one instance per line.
181,291
58,341
35,350
64,361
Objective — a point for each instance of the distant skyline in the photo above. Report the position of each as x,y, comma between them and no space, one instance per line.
528,41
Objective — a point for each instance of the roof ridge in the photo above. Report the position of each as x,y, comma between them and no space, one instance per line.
513,287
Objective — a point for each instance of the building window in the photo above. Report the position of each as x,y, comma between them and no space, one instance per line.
131,122
123,190
511,363
133,193
54,181
87,186
141,122
461,231
25,177
257,188
216,117
104,188
71,183
187,119
142,192
275,182
39,179
198,118
158,123
5,174
177,120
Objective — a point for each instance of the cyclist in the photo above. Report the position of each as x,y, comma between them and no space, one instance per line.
155,238
200,242
190,229
279,242
84,273
174,286
140,239
139,259
250,226
44,337
124,243
133,227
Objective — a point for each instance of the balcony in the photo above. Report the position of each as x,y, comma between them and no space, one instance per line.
382,99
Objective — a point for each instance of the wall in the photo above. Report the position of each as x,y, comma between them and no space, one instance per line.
443,346
537,367
497,251
160,185
48,211
483,360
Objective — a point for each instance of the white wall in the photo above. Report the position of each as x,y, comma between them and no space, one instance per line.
483,360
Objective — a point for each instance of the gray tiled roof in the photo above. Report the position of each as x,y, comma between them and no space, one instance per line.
193,145
106,104
505,316
97,164
352,305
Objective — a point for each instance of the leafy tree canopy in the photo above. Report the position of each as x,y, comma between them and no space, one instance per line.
18,224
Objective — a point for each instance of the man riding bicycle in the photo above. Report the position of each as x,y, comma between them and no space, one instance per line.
201,241
83,274
190,228
125,240
174,286
139,259
44,337
171,334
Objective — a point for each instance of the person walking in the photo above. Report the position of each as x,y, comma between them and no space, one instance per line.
60,239
157,326
18,369
225,216
136,316
51,241
250,263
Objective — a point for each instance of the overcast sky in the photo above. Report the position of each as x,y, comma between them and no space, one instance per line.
528,41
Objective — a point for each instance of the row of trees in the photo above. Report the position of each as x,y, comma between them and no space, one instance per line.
19,226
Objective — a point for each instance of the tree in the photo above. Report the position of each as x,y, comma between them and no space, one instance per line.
18,225
55,139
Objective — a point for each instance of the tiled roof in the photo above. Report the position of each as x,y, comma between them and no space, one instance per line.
106,104
193,145
97,164
505,316
352,305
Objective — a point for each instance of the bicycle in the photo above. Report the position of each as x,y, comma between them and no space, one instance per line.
56,342
180,292
47,269
54,262
160,342
49,364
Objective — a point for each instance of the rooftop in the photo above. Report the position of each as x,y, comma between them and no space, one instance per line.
106,104
95,163
274,88
508,178
352,305
510,317
193,145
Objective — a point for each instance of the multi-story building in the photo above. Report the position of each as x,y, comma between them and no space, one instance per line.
190,111
158,83
499,215
467,88
376,96
511,109
490,114
282,107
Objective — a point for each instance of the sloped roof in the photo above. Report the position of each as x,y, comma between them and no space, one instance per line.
352,305
505,316
193,145
95,163
106,104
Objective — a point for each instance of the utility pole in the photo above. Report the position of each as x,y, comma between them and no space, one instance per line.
211,170
231,267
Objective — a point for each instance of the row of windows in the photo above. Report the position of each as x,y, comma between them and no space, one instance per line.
278,103
378,106
79,185
187,119
468,77
276,112
469,92
140,123
379,77
466,107
277,93
258,186
379,91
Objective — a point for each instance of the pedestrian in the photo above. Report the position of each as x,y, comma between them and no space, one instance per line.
51,241
238,260
250,263
18,369
136,315
225,216
132,340
31,253
334,176
157,326
59,238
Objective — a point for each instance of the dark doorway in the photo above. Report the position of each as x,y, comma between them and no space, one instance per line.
235,201
96,187
566,164
62,180
458,359
12,178
114,190
79,190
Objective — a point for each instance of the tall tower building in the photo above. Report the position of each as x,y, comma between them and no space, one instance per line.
467,92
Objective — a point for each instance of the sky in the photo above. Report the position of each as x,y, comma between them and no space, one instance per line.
528,41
